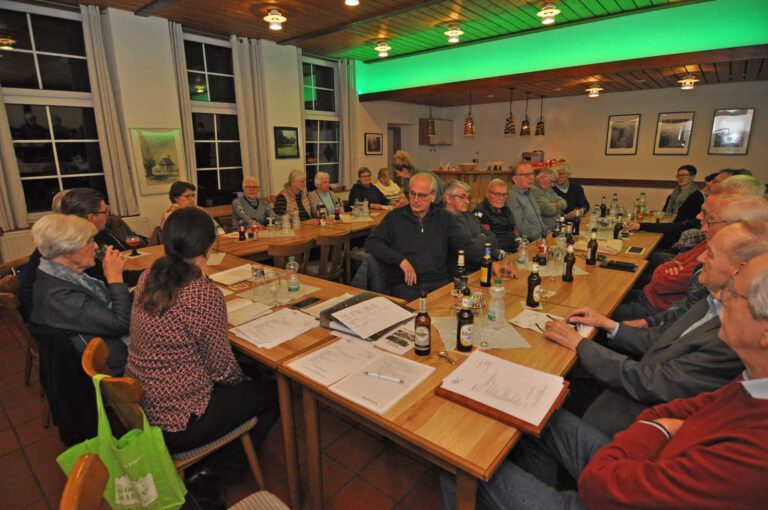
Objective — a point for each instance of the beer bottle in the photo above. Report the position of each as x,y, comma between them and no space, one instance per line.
534,288
569,233
486,267
241,232
617,229
577,222
543,252
603,208
570,260
422,344
592,248
461,272
464,321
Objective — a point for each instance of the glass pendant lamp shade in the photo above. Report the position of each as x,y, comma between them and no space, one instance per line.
509,124
469,122
540,123
430,123
525,126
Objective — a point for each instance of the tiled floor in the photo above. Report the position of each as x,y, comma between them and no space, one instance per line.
360,471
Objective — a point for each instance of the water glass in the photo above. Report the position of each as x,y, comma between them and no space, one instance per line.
274,291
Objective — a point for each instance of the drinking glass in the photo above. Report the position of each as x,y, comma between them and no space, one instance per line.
258,276
133,242
555,256
274,291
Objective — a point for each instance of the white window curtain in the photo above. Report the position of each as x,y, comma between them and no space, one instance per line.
182,86
112,143
248,64
348,105
13,209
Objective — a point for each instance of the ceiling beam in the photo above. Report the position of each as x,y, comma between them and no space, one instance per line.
378,15
153,7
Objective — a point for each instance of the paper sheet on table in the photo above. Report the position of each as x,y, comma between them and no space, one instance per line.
399,339
483,337
606,247
224,292
372,316
232,276
379,395
275,328
315,309
348,218
519,391
552,270
215,258
536,321
336,361
241,310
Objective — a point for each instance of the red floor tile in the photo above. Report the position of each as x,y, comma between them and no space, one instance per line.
13,464
8,442
19,492
394,473
355,449
331,428
359,494
4,423
44,452
425,494
33,431
52,479
25,411
13,397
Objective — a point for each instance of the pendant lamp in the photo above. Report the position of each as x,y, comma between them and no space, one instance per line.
469,122
525,126
509,124
540,123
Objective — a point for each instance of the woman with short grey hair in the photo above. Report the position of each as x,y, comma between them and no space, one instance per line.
293,198
67,299
323,195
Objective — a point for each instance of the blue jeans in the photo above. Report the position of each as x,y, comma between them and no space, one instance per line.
527,479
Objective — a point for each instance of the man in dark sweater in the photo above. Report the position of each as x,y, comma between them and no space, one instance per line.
415,243
495,216
572,193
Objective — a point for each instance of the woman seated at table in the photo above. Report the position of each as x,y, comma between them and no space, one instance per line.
294,197
389,188
65,298
364,190
182,195
249,208
323,195
194,388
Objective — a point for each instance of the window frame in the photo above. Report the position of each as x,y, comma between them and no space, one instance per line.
319,115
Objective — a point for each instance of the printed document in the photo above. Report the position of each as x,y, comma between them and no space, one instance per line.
315,309
336,361
537,321
232,276
273,329
372,316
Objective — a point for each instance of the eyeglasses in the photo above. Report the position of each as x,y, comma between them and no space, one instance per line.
104,212
497,194
526,174
709,222
244,187
683,175
461,197
420,196
188,195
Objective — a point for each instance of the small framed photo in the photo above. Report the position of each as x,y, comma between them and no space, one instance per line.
286,142
673,133
623,130
374,144
730,131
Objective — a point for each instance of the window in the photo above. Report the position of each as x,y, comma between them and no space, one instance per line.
209,72
322,126
217,151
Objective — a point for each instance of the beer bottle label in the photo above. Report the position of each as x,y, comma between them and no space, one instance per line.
537,293
483,274
465,335
422,338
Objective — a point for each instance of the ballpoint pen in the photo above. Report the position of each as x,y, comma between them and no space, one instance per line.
574,325
383,377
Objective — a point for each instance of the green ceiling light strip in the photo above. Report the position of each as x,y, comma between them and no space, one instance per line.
681,29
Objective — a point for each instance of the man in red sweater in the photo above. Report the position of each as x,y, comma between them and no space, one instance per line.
672,279
705,452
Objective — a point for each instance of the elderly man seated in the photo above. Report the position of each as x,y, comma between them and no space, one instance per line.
673,360
572,192
249,208
525,210
416,243
550,203
495,216
705,452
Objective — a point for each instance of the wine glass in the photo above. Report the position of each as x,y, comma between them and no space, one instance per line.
132,242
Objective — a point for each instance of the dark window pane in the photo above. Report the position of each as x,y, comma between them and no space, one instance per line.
222,88
203,125
73,123
332,170
311,171
205,155
16,23
311,130
218,59
79,158
198,90
39,193
96,182
18,70
311,153
61,73
232,180
324,77
28,122
228,127
329,153
326,101
308,105
58,35
194,53
229,154
329,131
207,179
35,159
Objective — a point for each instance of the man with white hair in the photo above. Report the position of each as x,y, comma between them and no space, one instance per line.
496,217
249,208
572,192
550,203
525,209
742,185
416,243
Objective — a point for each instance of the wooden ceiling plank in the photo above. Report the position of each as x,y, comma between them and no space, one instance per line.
723,72
763,75
579,7
491,27
503,14
752,70
611,6
154,7
738,70
708,73
472,27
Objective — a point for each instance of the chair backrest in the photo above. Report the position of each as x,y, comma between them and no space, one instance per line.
85,485
281,252
156,238
11,265
334,256
122,393
9,308
9,283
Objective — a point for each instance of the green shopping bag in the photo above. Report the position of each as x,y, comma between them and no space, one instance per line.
141,473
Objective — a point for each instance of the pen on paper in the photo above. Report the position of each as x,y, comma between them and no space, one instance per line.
574,325
383,377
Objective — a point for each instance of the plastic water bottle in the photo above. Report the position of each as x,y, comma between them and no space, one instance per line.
293,275
643,203
296,221
286,223
522,252
496,307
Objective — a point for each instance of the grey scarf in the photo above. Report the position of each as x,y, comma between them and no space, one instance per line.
94,286
679,196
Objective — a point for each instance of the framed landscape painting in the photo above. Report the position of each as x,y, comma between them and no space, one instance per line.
286,142
157,154
730,131
673,133
623,130
374,144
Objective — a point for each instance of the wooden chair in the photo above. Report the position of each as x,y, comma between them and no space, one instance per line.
334,262
156,238
85,486
124,394
281,252
9,268
222,214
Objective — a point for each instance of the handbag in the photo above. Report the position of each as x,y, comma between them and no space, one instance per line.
141,472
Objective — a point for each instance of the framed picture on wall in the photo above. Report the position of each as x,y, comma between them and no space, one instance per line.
157,154
623,130
673,133
730,131
286,142
374,144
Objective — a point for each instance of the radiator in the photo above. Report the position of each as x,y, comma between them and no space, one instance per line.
17,244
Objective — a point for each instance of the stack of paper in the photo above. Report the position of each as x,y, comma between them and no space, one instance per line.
273,329
371,316
315,310
336,361
242,310
537,321
232,276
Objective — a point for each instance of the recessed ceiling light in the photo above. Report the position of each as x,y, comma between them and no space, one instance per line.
547,14
275,19
352,3
383,48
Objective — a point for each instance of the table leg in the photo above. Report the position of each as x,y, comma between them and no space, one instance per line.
289,439
466,491
314,462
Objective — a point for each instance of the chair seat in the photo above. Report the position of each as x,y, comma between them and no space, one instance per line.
261,500
201,451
